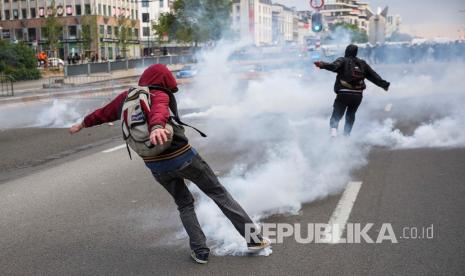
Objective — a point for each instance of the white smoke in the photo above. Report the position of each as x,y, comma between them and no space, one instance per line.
59,114
280,126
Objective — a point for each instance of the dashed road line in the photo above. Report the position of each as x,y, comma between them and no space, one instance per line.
114,148
337,222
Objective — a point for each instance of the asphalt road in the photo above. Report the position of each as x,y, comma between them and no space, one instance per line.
68,208
75,210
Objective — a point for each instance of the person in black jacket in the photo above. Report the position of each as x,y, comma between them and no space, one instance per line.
351,73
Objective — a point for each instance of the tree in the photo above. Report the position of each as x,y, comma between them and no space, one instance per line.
52,30
124,33
89,33
195,21
356,34
18,60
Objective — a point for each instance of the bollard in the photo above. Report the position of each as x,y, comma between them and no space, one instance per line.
143,62
108,67
88,69
127,64
65,70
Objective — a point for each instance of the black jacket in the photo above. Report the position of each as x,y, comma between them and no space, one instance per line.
339,65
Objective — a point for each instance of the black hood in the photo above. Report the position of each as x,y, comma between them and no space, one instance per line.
351,51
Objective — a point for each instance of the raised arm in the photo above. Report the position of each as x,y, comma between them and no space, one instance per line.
335,66
372,76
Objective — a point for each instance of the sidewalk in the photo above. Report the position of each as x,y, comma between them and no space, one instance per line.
34,89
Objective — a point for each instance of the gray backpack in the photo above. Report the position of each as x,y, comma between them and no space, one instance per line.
135,127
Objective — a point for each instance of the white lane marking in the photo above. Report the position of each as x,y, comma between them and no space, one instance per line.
337,222
115,148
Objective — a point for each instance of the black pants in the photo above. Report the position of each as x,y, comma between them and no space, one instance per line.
199,172
343,102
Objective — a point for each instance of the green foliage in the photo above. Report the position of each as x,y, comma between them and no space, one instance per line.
124,34
89,32
356,34
52,30
194,21
18,60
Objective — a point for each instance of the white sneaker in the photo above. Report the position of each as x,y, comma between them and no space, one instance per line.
264,243
333,132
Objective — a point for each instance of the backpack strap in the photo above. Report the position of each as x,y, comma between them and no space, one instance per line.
174,108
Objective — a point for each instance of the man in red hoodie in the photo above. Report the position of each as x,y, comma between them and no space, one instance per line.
177,163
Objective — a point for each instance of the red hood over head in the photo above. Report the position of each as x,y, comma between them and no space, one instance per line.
158,75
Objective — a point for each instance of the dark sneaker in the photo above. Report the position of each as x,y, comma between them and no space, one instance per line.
264,243
201,257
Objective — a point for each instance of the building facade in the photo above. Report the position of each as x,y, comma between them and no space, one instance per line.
253,19
105,29
149,12
346,11
282,24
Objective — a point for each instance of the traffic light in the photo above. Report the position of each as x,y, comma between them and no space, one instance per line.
317,22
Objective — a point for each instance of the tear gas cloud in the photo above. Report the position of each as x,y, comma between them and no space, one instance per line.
276,129
280,126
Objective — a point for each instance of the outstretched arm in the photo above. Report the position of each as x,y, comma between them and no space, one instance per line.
108,113
372,76
335,66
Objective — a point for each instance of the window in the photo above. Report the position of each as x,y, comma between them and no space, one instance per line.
146,31
145,17
19,34
101,29
116,31
137,15
24,13
145,3
132,14
136,33
7,14
87,9
105,10
78,9
109,30
161,3
99,9
69,10
110,53
109,11
72,31
15,14
33,13
31,33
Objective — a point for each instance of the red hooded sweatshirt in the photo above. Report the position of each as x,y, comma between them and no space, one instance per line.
154,75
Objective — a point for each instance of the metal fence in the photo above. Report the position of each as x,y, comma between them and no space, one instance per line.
109,66
6,84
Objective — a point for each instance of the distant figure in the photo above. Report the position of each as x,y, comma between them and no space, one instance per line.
75,58
351,73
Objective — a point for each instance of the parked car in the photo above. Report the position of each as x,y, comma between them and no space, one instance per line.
55,62
187,71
